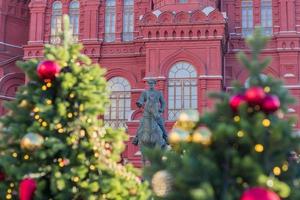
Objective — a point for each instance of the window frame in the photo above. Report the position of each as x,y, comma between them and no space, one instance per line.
266,18
182,90
56,22
110,21
74,13
128,21
114,116
247,13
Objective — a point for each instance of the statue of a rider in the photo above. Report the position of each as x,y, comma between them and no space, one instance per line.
153,103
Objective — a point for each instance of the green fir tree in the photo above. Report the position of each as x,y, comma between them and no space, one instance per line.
52,134
246,141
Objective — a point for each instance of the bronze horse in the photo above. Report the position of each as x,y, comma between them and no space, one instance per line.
151,132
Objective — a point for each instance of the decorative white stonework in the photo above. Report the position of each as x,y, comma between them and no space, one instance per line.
155,78
291,110
156,12
288,75
208,10
210,76
224,15
138,153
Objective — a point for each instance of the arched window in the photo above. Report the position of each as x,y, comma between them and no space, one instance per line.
266,16
56,22
182,89
118,112
110,20
128,20
263,77
247,17
74,18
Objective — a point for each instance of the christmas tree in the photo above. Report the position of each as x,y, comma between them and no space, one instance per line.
53,144
243,149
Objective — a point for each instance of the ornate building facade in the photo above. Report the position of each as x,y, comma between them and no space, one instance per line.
189,46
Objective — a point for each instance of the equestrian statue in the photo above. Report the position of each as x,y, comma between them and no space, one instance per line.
151,132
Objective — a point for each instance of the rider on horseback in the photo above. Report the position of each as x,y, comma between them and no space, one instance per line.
154,107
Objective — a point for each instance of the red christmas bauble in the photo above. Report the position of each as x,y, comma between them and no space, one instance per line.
27,188
259,193
255,95
2,176
48,69
236,100
270,104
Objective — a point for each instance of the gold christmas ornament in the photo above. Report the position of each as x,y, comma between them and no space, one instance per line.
202,135
23,103
197,137
187,120
31,141
162,183
178,135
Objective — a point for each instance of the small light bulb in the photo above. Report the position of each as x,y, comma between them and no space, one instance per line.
60,130
285,167
14,154
26,157
259,148
36,117
82,133
58,126
266,122
49,84
72,95
240,134
267,89
92,167
76,179
276,171
236,118
270,183
8,196
70,115
44,87
49,102
44,124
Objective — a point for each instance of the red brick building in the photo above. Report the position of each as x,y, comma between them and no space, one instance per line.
189,46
